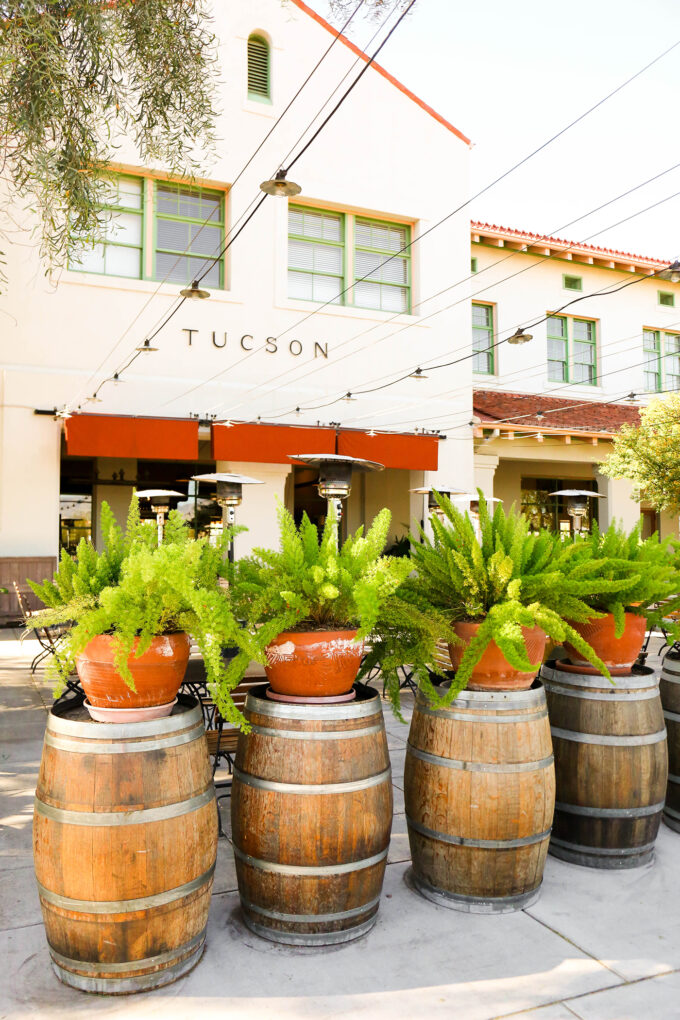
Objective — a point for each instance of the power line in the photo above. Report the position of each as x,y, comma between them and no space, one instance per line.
520,251
424,363
278,120
450,214
486,188
335,109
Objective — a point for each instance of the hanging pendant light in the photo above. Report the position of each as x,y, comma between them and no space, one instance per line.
279,186
520,337
194,292
418,374
671,273
146,347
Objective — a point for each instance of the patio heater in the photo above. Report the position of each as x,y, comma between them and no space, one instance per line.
443,490
160,503
335,474
577,504
229,495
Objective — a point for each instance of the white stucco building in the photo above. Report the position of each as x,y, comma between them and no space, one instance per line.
545,411
253,351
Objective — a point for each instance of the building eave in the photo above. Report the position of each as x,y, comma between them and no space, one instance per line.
382,71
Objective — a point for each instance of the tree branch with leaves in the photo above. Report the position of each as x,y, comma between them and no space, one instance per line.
78,75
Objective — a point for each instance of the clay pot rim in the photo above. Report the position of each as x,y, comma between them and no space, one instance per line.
304,633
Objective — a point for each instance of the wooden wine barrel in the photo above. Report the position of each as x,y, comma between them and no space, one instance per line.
124,842
311,811
669,688
480,791
611,766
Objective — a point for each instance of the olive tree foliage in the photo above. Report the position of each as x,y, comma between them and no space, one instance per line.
77,75
649,454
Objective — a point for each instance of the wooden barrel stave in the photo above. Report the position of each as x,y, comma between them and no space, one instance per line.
611,767
125,841
479,792
669,687
317,881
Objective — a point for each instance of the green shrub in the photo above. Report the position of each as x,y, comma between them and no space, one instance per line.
504,581
311,583
135,590
647,571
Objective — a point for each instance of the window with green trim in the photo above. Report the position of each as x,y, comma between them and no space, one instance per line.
483,361
185,244
121,251
376,246
258,68
572,282
558,349
666,298
572,350
584,351
316,254
329,254
473,265
662,360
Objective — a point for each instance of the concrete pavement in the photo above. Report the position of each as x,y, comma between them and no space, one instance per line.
597,945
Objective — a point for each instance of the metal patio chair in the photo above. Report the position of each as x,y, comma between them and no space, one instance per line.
49,638
222,736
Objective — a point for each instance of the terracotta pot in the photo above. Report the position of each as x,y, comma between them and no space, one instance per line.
618,654
316,664
157,673
493,672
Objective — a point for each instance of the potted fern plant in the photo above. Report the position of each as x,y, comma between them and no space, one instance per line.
503,592
646,573
132,607
313,603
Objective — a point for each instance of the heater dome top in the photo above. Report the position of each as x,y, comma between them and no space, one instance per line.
319,460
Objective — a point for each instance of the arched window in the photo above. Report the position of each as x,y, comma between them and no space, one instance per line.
258,67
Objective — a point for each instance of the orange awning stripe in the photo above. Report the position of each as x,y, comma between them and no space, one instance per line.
108,435
272,444
268,444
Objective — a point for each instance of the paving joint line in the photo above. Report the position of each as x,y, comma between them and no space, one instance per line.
575,945
582,995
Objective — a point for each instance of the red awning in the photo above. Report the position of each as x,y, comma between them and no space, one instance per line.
268,444
417,453
108,435
273,444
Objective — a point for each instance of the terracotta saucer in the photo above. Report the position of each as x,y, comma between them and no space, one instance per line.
588,670
294,700
123,715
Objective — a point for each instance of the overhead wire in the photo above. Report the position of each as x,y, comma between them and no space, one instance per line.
278,120
424,363
453,212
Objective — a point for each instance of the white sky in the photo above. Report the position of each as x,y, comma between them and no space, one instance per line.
509,75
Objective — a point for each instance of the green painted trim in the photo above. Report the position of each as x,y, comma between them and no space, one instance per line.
564,338
383,252
180,186
262,97
490,350
571,276
121,244
473,265
342,217
665,293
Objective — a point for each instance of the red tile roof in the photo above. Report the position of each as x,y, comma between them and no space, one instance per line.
575,247
560,413
381,70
